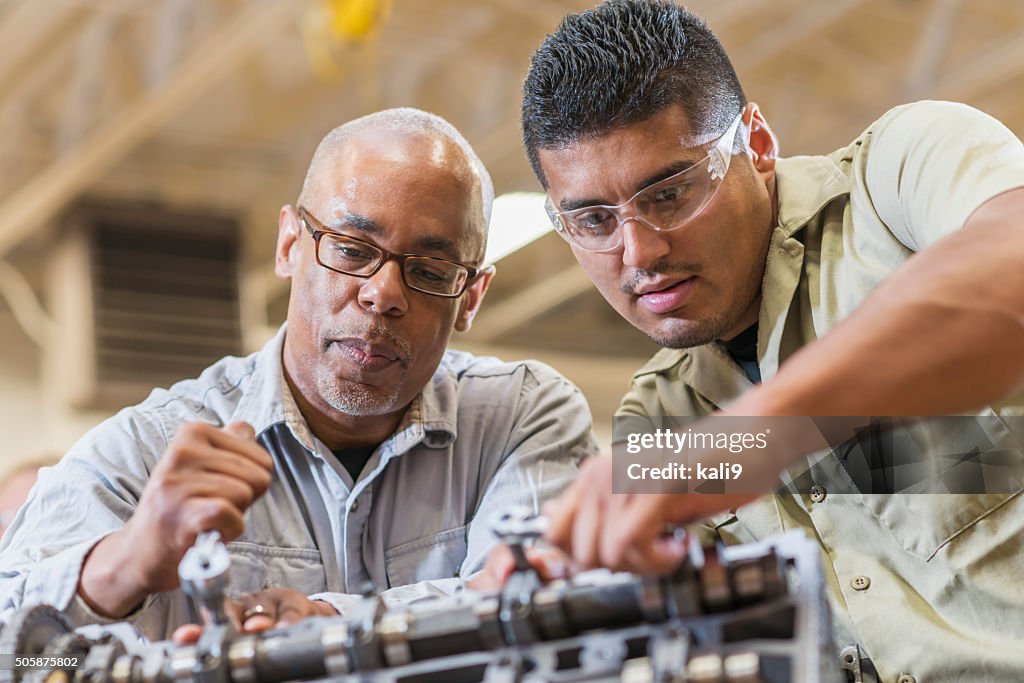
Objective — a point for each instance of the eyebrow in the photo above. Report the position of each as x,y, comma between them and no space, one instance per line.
359,222
439,244
368,226
659,175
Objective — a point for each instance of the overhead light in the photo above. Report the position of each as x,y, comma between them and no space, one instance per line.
517,219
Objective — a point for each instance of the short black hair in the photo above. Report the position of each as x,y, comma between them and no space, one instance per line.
621,63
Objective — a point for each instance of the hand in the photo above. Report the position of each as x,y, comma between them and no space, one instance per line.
549,563
204,481
257,612
625,531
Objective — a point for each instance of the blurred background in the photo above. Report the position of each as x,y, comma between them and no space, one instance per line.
146,147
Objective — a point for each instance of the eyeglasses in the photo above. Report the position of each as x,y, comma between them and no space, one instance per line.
351,256
665,205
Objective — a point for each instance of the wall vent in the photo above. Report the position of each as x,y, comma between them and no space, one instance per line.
144,297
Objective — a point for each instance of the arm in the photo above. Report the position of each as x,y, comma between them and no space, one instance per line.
944,334
205,480
104,531
90,494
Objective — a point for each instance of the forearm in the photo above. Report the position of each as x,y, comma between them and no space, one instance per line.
945,334
106,584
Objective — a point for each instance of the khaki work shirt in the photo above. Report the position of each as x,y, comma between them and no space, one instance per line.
929,586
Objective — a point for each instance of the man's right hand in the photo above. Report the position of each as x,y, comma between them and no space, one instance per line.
549,563
204,481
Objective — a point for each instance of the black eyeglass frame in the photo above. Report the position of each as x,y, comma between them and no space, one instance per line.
317,232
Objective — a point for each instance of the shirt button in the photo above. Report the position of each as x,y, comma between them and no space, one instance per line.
818,493
906,678
354,506
861,583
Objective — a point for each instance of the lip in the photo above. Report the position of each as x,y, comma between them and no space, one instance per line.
367,355
667,295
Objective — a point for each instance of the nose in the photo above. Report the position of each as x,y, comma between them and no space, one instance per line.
384,292
642,246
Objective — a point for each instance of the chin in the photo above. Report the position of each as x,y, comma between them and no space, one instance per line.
354,398
685,334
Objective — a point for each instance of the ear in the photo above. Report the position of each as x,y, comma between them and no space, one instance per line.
764,148
472,299
289,235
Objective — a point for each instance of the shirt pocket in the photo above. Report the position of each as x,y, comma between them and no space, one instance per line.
257,567
438,556
977,457
925,523
754,521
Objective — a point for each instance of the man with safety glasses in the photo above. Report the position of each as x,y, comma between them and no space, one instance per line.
886,278
353,453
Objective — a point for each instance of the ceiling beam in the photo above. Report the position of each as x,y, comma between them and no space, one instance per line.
788,34
1001,64
932,44
217,56
84,93
26,31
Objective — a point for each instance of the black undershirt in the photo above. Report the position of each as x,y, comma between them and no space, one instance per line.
355,459
743,349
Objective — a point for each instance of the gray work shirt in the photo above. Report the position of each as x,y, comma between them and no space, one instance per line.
481,435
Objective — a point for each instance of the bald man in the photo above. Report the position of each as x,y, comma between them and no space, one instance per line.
353,450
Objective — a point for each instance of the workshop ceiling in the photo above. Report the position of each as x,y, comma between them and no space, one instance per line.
219,103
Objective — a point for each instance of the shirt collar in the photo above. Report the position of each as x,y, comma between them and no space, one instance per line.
804,186
433,415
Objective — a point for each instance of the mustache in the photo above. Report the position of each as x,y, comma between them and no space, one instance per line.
638,277
374,332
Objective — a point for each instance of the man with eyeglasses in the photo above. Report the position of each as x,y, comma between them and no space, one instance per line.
886,278
353,453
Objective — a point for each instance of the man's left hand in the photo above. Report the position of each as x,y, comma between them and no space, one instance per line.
267,609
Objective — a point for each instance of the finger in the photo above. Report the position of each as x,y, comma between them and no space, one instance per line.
242,430
610,542
659,556
239,437
561,514
187,635
214,485
256,612
549,563
233,464
638,530
257,623
586,529
195,434
197,454
293,609
500,565
210,514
